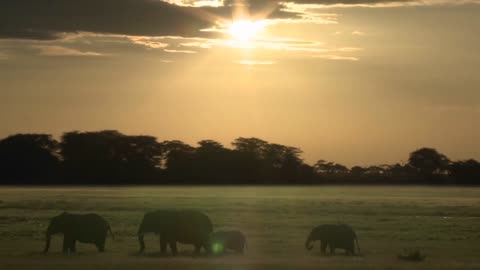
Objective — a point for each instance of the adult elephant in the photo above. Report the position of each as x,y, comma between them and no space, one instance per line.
85,228
333,236
172,226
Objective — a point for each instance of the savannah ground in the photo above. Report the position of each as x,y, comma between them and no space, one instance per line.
442,222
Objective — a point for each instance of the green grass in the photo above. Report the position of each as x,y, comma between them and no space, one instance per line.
443,223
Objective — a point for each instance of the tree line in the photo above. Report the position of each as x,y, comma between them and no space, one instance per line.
112,158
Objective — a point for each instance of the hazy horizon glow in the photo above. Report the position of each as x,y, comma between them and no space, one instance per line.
356,82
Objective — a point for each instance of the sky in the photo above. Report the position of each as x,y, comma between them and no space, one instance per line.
359,82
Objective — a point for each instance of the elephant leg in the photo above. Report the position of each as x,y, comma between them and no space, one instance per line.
332,249
197,248
323,247
350,251
173,247
100,245
163,244
73,246
206,246
66,244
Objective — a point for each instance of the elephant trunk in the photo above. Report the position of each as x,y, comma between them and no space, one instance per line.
308,243
358,245
47,242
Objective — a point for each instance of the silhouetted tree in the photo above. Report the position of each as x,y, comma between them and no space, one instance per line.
178,160
109,156
283,162
375,170
26,158
213,163
253,146
429,163
268,162
358,171
249,159
466,172
141,157
325,167
210,146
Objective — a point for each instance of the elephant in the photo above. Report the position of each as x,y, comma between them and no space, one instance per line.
85,228
172,226
334,236
223,240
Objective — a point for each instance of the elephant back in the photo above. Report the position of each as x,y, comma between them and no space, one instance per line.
187,226
193,226
346,231
85,227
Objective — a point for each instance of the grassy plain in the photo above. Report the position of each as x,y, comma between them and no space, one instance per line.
442,222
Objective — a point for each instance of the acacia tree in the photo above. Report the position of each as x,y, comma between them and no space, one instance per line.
325,167
428,162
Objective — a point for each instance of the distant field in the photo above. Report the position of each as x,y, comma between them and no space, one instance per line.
444,223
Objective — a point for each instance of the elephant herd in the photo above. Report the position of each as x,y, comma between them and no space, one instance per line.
186,227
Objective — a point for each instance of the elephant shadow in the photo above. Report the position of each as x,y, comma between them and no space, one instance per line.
338,254
60,254
229,253
158,254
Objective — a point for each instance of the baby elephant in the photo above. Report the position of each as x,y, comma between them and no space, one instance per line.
88,228
221,241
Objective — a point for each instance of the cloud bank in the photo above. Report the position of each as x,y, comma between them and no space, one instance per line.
50,19
53,19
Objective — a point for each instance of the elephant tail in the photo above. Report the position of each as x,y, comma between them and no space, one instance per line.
111,233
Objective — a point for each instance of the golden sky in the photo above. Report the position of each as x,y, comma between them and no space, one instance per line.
352,81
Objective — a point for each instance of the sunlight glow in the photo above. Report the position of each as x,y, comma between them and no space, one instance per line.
217,248
245,30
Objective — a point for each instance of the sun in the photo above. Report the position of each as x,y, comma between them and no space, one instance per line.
245,30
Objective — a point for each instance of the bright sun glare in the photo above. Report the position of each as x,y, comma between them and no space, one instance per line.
245,30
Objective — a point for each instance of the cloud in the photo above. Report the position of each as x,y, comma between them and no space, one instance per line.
287,45
358,33
50,50
348,49
337,57
148,42
373,3
51,19
253,62
178,51
199,44
43,20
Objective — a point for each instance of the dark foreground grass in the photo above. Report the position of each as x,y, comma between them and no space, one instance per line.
442,223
